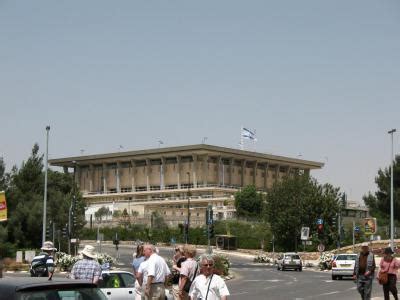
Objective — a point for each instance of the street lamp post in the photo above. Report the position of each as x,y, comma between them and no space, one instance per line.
45,186
188,208
391,192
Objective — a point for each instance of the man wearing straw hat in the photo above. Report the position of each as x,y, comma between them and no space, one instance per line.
87,268
42,265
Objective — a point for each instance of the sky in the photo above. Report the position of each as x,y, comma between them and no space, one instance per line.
317,80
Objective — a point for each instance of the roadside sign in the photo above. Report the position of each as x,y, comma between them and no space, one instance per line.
357,228
305,233
320,221
370,225
321,247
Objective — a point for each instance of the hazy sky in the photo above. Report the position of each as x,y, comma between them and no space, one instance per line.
318,79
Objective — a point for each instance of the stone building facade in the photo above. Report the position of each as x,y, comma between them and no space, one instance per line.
169,180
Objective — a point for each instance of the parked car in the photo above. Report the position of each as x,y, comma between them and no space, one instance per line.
290,260
120,285
343,265
33,288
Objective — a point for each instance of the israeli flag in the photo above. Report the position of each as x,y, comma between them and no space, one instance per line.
248,134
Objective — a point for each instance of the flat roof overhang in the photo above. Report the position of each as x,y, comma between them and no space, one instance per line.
200,149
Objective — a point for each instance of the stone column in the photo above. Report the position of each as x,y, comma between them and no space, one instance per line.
255,174
266,176
147,171
243,170
277,171
77,172
219,163
91,178
231,166
162,173
118,182
133,171
195,165
104,178
178,171
65,168
205,170
289,168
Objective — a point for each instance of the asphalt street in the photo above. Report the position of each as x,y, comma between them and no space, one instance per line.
256,281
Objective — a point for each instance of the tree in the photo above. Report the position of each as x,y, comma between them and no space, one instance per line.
379,202
25,201
299,201
125,219
249,203
102,212
2,175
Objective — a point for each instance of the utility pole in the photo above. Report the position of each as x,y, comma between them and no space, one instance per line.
188,210
391,194
45,186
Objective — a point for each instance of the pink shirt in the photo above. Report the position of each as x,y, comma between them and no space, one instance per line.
189,267
389,266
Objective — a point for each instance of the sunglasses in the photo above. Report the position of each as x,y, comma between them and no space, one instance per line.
207,265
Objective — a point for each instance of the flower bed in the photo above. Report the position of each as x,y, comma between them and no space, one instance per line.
66,261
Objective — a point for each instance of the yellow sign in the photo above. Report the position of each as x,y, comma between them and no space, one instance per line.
370,225
3,207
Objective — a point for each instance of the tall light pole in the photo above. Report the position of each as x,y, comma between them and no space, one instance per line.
391,193
45,186
188,212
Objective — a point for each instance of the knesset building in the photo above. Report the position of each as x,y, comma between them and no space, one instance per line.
167,180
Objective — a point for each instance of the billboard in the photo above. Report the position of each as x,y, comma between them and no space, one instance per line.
370,225
3,207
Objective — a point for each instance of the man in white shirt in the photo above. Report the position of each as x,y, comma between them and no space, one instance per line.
208,286
157,273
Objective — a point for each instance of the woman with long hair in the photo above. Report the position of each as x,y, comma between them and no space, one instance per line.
138,259
389,265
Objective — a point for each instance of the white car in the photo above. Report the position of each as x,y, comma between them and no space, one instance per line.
120,285
343,265
290,260
117,284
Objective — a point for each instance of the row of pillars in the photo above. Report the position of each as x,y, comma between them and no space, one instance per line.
221,172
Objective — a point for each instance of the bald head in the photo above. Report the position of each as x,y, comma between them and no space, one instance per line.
148,250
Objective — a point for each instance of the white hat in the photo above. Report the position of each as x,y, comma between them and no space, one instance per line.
365,244
89,251
48,246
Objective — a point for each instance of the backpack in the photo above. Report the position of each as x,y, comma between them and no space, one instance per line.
39,266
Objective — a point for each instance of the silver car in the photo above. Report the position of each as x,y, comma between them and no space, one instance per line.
290,261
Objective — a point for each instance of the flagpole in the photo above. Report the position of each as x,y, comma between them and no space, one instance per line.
241,139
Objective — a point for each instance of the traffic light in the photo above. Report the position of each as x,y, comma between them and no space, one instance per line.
211,231
65,231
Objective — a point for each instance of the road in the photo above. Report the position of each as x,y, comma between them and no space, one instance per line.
256,281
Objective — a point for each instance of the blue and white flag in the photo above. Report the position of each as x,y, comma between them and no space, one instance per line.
248,134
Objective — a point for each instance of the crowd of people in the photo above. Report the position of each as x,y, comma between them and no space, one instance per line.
191,278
